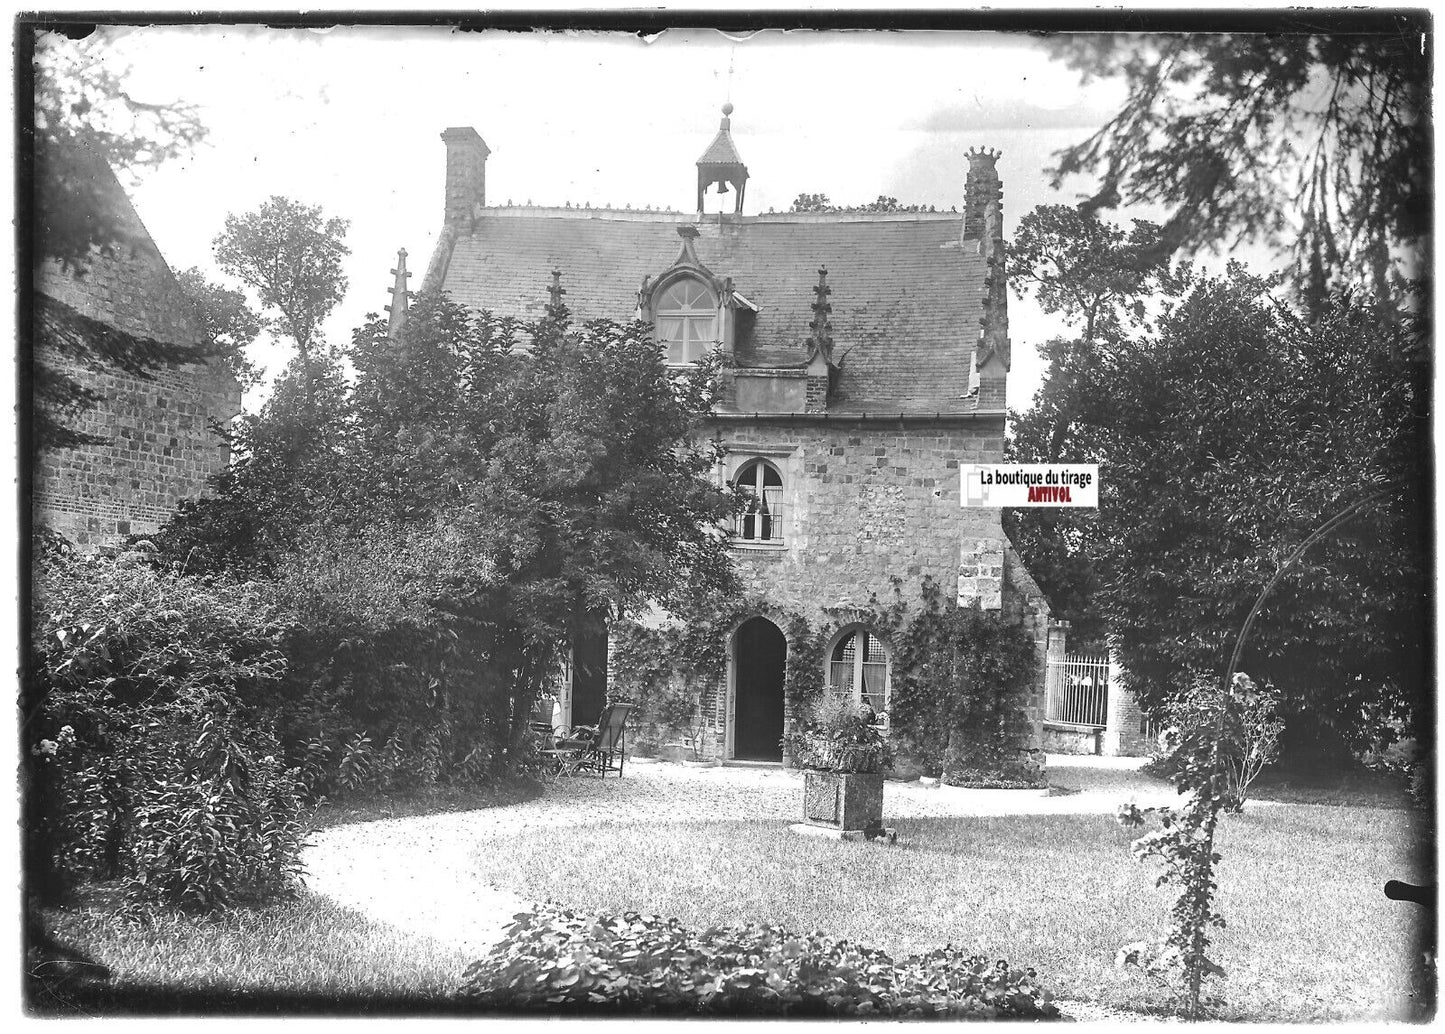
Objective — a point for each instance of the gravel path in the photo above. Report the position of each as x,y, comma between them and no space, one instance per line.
415,873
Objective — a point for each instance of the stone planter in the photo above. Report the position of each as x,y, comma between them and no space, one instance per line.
847,801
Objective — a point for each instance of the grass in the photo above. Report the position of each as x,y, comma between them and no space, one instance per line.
303,955
1310,937
429,801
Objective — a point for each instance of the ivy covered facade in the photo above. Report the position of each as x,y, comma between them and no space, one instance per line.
866,356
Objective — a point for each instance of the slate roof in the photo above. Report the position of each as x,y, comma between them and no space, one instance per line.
906,293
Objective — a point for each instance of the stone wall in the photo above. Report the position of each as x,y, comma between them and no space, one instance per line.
862,504
161,449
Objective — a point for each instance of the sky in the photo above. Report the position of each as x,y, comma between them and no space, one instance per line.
350,118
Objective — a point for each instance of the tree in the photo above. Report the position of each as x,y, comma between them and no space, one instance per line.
227,320
575,523
812,203
282,475
83,114
290,255
1228,428
1097,276
566,461
883,203
1319,145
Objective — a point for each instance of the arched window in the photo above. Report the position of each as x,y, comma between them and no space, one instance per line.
686,317
762,519
858,670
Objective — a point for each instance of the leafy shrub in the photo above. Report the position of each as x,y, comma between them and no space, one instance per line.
1250,741
992,767
388,684
555,959
840,736
150,762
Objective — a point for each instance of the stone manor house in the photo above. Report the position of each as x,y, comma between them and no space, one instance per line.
870,354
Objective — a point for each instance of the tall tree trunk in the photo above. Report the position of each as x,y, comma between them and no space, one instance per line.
531,676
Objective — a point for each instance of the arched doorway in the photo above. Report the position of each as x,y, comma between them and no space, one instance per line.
759,651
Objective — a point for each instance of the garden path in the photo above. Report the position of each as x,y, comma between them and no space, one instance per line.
415,873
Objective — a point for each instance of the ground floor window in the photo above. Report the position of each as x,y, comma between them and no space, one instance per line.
858,670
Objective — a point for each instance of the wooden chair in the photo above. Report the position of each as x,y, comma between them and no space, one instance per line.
600,749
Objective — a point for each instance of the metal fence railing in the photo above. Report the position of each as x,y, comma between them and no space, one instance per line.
1077,691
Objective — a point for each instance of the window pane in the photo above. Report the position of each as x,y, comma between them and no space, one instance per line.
686,296
845,651
669,328
841,677
677,352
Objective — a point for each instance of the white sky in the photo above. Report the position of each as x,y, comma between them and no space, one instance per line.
349,118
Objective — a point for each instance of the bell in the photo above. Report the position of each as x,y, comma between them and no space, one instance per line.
723,187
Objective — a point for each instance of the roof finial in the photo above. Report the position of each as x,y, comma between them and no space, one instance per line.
399,297
822,330
555,292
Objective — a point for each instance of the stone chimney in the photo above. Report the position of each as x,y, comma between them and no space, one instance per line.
981,187
466,175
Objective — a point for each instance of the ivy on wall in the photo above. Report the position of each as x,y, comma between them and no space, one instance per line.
960,678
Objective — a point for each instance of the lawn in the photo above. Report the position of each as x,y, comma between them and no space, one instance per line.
1311,936
302,955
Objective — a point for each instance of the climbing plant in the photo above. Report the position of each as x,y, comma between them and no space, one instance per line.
1204,768
960,683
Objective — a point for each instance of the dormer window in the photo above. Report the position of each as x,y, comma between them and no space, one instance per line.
686,318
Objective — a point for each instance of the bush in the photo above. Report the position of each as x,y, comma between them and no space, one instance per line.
388,684
1251,727
555,959
989,767
148,761
840,736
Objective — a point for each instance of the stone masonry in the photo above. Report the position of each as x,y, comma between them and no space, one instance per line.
161,443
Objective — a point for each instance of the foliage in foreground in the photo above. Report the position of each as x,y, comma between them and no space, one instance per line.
150,759
553,958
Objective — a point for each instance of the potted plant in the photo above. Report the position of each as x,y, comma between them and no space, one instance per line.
844,756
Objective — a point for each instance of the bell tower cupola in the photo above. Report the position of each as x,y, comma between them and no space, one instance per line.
721,164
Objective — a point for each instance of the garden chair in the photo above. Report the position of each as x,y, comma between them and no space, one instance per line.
598,749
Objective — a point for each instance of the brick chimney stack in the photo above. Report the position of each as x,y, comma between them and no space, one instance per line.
980,187
466,175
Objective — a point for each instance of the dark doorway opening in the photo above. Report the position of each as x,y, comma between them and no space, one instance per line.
589,670
759,651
